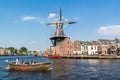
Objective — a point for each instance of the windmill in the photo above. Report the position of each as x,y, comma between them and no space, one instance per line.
59,35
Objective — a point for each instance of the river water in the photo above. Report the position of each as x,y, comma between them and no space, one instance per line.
64,69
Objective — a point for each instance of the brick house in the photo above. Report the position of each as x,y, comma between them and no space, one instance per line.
63,48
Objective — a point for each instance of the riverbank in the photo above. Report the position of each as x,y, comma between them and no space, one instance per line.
91,57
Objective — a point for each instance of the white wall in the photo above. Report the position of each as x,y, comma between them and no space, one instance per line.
92,49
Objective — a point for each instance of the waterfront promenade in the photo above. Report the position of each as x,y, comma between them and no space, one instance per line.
91,56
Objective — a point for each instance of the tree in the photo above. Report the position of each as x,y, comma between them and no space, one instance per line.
23,50
34,52
29,52
15,51
20,51
11,49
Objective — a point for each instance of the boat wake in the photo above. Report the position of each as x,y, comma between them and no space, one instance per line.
7,67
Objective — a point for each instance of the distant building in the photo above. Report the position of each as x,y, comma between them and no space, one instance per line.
48,51
4,51
117,43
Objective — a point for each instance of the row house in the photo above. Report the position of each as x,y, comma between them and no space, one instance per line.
86,48
104,44
115,48
92,48
101,46
89,48
81,47
77,47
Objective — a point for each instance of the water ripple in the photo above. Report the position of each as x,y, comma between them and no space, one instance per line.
65,69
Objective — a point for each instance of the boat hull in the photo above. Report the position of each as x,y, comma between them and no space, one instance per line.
28,67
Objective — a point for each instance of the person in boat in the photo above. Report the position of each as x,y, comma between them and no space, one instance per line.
32,62
27,62
22,62
17,61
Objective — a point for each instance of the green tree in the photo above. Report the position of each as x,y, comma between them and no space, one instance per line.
11,49
29,52
20,51
15,51
23,50
34,52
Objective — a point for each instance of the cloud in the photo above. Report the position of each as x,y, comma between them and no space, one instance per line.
109,30
40,20
28,18
51,15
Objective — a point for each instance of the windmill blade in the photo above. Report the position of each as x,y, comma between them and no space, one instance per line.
51,24
70,22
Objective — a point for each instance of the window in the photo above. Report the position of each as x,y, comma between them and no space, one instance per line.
91,47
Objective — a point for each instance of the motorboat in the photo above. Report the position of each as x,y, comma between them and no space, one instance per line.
29,66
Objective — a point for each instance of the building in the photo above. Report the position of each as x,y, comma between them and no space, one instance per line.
4,51
101,46
61,44
77,47
104,44
63,48
92,48
85,48
89,48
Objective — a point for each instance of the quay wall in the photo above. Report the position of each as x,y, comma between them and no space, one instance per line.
90,57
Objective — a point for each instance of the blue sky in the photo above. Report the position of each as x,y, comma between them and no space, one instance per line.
23,22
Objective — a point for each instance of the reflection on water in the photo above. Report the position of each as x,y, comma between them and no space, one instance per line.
65,69
20,75
61,69
86,69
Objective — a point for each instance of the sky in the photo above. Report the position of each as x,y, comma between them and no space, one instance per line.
23,22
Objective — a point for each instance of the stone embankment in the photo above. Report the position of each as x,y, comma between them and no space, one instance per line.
91,57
